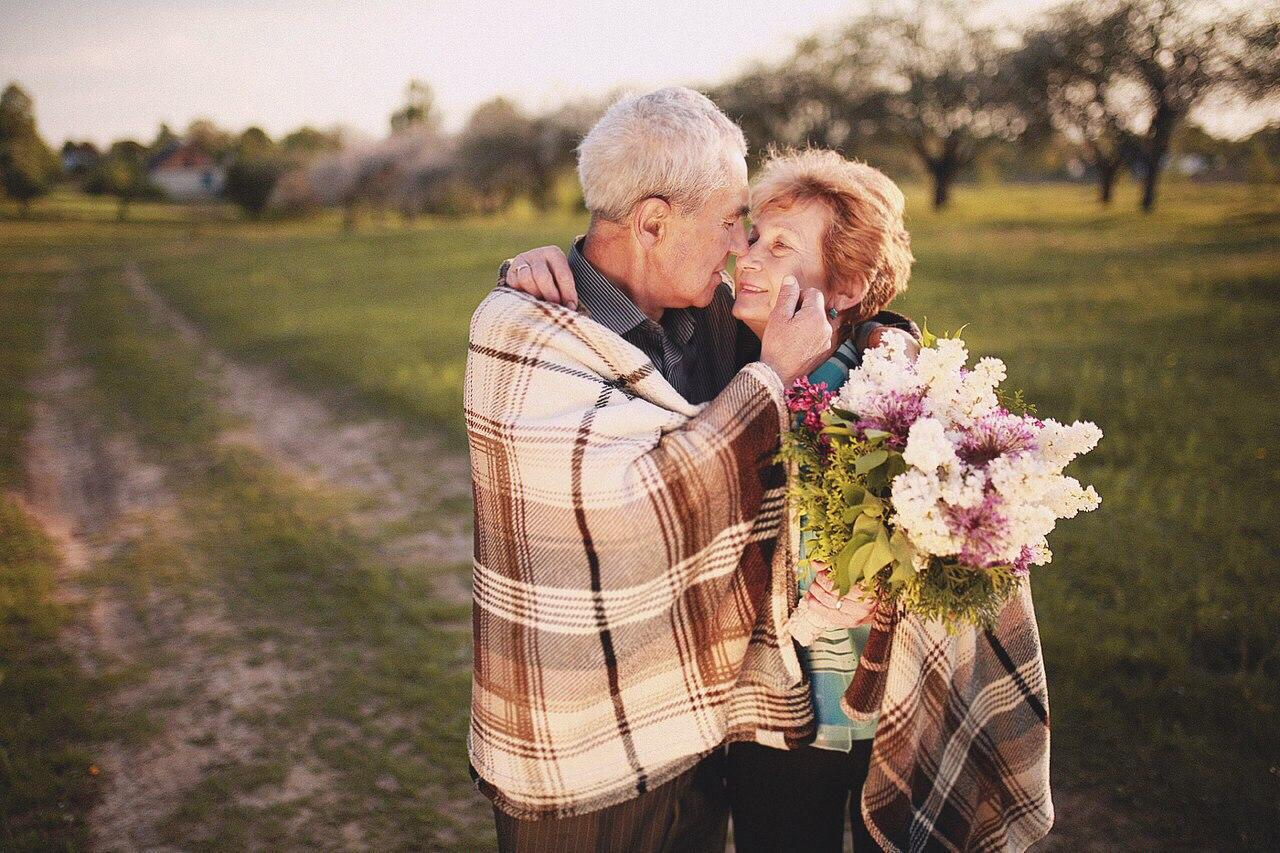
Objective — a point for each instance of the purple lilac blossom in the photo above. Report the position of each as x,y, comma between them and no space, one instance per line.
981,528
893,412
998,433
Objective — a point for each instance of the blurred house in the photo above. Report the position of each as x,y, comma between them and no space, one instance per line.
186,172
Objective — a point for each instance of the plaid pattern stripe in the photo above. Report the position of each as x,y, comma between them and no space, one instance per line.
628,579
961,756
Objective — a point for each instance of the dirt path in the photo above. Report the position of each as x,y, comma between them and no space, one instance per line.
97,496
414,488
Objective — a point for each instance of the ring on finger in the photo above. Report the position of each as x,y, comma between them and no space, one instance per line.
523,267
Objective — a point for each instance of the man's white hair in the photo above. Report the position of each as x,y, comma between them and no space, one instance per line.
673,143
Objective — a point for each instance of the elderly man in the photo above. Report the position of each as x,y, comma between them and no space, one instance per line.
626,603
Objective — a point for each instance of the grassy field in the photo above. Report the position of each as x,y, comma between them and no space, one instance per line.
1158,613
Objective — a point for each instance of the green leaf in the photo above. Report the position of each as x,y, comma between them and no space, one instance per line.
855,542
840,578
870,460
903,550
867,524
902,572
881,555
874,435
927,338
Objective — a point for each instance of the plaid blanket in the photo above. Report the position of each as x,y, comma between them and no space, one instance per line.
961,756
629,586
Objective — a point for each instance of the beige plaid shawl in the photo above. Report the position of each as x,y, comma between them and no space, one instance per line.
628,582
961,755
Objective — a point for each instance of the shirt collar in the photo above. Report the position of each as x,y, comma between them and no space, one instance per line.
609,306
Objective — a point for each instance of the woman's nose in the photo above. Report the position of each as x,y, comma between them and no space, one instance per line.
748,260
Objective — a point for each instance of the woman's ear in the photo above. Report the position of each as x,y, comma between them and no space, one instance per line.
844,301
649,221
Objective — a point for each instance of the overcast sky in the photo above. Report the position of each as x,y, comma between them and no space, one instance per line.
103,69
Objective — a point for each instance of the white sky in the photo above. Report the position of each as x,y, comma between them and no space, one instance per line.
103,69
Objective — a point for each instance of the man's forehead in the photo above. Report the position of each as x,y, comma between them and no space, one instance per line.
737,200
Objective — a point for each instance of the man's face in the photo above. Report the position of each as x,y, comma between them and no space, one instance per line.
689,262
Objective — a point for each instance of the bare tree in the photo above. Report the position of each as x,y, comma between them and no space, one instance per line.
943,92
1069,75
824,94
1178,53
418,109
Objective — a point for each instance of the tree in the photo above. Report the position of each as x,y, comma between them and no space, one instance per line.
925,76
209,138
1176,55
1068,73
164,139
1258,70
122,173
418,109
251,179
28,167
255,168
306,142
824,94
498,154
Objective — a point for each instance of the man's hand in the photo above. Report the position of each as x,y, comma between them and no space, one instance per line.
544,273
795,341
826,605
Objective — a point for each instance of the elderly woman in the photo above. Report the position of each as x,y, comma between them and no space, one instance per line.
837,226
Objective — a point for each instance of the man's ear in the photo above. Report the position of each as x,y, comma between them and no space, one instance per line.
650,220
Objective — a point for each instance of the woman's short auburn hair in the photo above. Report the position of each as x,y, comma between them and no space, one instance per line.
866,240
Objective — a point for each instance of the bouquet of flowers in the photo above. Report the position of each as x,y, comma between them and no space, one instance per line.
922,482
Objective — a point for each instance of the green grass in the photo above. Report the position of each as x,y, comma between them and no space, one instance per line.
1157,613
49,710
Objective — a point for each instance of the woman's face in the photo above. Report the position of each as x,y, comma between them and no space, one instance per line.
782,242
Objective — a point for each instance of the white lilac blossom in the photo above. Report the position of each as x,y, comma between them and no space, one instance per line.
947,497
982,485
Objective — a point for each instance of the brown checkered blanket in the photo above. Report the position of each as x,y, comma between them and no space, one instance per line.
961,755
628,582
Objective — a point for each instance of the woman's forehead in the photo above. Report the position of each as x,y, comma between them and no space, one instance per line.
799,216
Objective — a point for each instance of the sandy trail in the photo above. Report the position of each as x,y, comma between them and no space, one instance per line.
412,486
96,495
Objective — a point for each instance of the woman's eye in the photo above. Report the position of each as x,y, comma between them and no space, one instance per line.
779,246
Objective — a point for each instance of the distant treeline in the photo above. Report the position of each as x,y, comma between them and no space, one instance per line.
1084,91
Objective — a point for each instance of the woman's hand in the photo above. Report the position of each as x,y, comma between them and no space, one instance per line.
545,274
825,603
